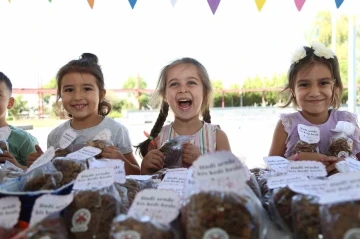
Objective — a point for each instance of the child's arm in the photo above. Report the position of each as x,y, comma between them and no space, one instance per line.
278,146
222,141
130,163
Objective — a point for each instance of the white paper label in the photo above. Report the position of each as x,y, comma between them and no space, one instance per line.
174,170
5,133
161,206
84,153
309,134
95,178
307,168
48,204
105,135
215,233
344,187
311,187
344,127
118,165
9,211
220,171
67,138
342,167
128,234
174,181
277,163
284,180
352,164
46,157
190,184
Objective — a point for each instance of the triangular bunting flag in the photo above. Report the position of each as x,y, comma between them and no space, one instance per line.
9,1
260,4
173,2
91,3
213,5
338,3
299,4
132,3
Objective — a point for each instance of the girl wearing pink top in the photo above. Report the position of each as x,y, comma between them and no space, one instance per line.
315,89
184,87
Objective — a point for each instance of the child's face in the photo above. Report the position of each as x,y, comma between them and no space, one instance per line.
184,91
6,101
314,89
80,95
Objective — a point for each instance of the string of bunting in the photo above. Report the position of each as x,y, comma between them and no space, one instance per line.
214,4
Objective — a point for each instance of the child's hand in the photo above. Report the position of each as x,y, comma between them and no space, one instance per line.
111,152
153,161
34,155
6,156
190,153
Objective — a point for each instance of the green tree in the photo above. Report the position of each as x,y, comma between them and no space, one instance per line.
137,83
217,85
20,105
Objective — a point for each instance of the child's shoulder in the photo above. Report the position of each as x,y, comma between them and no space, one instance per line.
342,115
20,133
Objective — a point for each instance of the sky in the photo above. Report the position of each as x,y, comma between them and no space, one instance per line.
38,37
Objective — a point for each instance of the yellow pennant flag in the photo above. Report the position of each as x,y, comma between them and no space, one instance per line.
91,3
9,1
260,4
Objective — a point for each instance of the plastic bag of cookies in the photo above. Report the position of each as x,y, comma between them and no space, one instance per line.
172,149
341,144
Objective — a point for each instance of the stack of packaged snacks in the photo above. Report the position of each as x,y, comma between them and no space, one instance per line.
96,202
144,227
69,168
153,214
305,217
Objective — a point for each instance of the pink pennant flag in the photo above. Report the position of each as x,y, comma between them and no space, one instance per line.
173,2
91,3
260,4
338,3
299,4
213,5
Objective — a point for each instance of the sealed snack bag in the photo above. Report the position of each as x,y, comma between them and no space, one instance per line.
11,171
340,220
153,215
45,177
341,144
223,206
306,216
172,149
69,168
52,226
309,139
96,202
125,226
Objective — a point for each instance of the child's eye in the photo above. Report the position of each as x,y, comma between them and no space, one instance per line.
192,83
173,84
325,82
87,88
68,90
303,85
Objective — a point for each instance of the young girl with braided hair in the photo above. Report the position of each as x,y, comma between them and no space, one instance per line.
184,87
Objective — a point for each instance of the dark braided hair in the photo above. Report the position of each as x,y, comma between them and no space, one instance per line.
206,116
144,146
